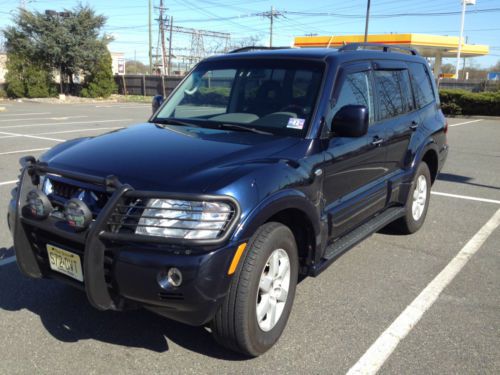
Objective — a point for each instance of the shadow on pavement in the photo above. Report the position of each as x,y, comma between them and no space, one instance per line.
463,180
67,316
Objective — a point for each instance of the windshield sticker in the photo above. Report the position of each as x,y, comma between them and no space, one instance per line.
296,123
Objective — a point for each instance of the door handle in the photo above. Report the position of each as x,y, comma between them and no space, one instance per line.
377,141
414,125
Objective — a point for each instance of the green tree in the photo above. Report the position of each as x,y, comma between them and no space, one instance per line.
136,67
99,83
67,42
25,78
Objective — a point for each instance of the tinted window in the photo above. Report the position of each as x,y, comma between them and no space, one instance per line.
406,90
356,89
422,86
389,93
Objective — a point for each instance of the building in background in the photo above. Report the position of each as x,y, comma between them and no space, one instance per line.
3,70
118,62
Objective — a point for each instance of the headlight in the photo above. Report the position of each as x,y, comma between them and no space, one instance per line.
184,219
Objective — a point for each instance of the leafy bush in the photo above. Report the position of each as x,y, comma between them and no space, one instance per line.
100,82
463,102
25,78
3,94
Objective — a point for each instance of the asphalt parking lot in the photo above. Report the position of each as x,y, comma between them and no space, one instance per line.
409,304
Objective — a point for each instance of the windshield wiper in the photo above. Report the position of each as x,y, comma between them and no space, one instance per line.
174,121
244,128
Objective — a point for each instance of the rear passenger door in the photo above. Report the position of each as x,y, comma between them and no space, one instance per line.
396,110
355,185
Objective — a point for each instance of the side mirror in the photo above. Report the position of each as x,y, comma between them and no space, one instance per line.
350,121
157,102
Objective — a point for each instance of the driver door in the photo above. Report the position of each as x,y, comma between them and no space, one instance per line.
355,185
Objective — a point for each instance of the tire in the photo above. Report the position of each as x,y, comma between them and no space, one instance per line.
410,223
236,325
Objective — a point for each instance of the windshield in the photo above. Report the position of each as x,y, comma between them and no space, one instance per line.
269,97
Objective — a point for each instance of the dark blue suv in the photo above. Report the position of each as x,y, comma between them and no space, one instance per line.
261,168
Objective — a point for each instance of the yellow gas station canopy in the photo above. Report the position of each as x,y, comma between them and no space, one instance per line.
426,45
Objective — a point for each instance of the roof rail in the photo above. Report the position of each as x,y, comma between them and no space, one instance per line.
383,47
255,48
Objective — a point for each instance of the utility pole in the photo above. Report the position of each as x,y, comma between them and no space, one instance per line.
367,20
170,46
150,38
271,15
462,21
271,27
162,36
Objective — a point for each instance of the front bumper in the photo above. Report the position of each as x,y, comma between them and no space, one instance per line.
121,271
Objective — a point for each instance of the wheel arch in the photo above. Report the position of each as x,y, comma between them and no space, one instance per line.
290,208
429,154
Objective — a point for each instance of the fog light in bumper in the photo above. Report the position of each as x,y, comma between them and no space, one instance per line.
172,278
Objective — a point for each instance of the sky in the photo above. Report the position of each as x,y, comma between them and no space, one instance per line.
128,20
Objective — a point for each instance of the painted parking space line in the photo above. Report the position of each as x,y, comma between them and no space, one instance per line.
24,114
81,130
65,123
464,123
12,135
375,357
5,261
8,182
23,151
42,118
467,197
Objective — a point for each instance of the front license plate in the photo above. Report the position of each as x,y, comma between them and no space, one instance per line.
65,262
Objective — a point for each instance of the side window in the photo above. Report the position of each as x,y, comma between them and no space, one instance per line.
406,90
356,89
422,86
389,93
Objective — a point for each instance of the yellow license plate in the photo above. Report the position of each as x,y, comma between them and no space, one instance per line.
65,262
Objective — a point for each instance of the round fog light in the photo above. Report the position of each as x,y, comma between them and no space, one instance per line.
174,277
39,204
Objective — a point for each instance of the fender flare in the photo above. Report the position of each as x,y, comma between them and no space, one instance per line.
273,204
429,145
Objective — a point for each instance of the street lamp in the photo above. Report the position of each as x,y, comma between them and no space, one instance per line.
464,4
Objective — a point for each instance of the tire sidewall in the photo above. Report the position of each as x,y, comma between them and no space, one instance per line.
414,225
259,340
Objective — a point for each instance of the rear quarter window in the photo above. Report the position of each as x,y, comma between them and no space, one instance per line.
422,86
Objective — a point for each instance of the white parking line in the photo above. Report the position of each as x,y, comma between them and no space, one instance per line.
468,197
65,123
81,130
375,357
464,123
8,182
4,262
25,114
22,151
31,136
41,118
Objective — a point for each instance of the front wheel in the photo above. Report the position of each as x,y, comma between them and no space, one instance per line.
417,202
256,309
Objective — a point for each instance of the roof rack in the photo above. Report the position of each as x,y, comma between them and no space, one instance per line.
255,48
383,47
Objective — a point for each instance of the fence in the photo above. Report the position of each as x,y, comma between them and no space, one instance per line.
469,85
146,85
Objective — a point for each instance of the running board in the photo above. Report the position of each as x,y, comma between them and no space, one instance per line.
350,240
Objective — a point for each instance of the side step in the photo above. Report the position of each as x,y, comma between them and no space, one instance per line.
350,240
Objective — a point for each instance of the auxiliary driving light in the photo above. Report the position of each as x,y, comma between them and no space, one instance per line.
39,204
172,278
77,214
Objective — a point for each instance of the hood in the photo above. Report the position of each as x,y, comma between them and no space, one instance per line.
174,158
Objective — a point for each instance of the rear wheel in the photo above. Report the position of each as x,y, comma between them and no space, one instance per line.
256,309
417,202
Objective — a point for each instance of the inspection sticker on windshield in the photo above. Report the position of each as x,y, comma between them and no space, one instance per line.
296,123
